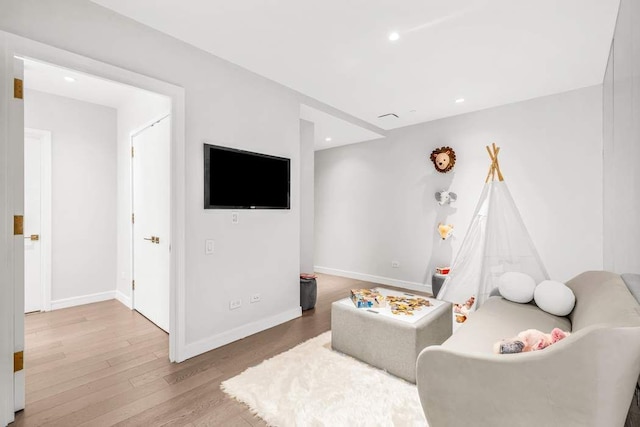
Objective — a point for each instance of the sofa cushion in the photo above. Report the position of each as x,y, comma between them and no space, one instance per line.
602,298
498,319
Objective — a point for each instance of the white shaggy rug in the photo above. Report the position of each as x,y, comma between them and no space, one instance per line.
312,385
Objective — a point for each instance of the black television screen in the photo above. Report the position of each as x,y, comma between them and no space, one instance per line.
237,179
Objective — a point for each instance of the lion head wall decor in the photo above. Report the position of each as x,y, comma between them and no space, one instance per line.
443,158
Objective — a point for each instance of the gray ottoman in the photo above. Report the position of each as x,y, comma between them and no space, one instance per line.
384,342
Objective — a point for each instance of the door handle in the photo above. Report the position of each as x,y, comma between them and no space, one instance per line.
33,237
153,239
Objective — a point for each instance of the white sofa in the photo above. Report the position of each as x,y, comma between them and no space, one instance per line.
587,379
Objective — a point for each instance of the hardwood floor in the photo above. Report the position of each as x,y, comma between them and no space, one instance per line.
103,364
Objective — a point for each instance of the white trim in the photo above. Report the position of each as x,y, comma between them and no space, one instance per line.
209,343
414,286
177,309
81,300
37,51
45,212
124,299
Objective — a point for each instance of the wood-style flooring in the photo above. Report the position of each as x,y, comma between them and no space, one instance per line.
103,364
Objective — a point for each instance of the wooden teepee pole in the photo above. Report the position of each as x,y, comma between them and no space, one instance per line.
494,169
496,150
491,167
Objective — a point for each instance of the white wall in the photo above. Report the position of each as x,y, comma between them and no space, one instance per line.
375,200
134,113
307,177
622,144
227,105
83,186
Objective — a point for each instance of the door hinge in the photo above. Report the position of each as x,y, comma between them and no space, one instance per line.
133,218
18,225
132,151
133,285
17,89
18,361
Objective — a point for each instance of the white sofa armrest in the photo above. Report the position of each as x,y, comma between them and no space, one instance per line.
587,379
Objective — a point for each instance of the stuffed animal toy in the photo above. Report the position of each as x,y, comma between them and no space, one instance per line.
443,158
446,197
461,311
529,340
464,308
445,230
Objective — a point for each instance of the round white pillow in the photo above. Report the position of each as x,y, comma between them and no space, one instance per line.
516,287
554,297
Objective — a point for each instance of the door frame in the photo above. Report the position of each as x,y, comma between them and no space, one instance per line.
132,243
45,212
20,47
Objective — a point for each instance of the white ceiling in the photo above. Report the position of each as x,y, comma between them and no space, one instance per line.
330,131
51,79
489,52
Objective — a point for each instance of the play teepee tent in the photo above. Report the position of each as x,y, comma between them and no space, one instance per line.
497,242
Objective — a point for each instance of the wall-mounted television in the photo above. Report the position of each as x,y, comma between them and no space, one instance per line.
237,179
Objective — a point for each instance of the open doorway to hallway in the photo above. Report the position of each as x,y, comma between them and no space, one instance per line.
82,245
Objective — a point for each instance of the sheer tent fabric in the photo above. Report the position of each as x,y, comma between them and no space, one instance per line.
497,242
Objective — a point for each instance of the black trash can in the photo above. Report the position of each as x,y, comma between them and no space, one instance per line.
308,293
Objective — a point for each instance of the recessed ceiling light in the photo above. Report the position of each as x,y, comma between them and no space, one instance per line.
394,36
459,100
69,79
328,139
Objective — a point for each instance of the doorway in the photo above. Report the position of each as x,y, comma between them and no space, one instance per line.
150,152
16,50
94,122
88,169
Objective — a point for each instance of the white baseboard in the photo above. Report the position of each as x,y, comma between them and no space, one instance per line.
81,300
124,299
414,286
207,344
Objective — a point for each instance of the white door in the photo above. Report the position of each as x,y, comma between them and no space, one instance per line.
151,207
12,384
33,288
37,220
